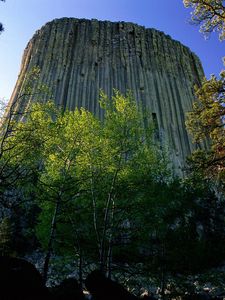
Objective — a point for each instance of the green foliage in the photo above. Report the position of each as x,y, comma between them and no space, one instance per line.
183,227
78,169
20,158
206,123
89,164
105,196
13,141
210,14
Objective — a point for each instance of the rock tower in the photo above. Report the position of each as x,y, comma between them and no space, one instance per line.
78,57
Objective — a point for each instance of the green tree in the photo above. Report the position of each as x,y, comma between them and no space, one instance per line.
210,14
11,168
44,149
16,175
183,230
128,150
80,164
105,191
59,182
105,195
206,123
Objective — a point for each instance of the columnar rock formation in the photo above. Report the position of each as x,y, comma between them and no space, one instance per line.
79,57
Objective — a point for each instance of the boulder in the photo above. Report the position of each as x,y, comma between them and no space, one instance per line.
20,280
102,288
68,289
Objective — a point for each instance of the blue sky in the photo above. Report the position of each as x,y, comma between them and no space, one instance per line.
21,18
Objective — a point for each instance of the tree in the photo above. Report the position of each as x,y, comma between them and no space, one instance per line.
119,208
15,175
210,14
104,195
10,133
177,229
59,183
74,163
206,123
128,150
101,156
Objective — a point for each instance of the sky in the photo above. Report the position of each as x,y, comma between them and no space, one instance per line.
21,18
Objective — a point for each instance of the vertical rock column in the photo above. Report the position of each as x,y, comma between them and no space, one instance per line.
78,57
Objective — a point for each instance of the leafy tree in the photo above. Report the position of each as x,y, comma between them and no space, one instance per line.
102,158
16,174
59,183
210,14
177,229
122,207
11,168
104,195
40,155
128,151
206,123
78,170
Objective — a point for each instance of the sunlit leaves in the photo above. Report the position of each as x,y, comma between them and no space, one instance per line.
210,14
206,123
86,170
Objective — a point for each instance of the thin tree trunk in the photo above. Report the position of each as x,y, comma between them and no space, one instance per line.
106,216
80,261
109,261
50,242
95,213
163,279
81,269
109,256
102,249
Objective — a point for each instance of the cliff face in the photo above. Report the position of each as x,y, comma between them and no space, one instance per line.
79,57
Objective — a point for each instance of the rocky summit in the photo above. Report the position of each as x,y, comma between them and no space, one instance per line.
79,57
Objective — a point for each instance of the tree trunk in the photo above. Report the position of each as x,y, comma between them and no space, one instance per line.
163,272
81,269
50,242
106,221
109,261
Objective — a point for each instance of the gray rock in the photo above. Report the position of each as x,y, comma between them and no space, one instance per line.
78,57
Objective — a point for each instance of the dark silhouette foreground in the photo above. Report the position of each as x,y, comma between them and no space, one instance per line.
68,290
102,288
20,280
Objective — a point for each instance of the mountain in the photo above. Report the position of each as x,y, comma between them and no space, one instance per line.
78,57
